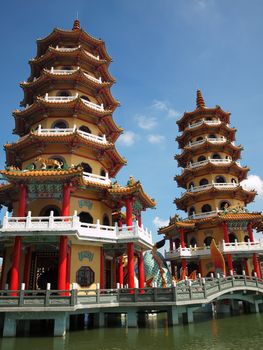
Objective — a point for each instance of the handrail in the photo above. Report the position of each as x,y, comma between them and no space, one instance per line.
209,160
203,121
209,139
97,178
213,184
71,98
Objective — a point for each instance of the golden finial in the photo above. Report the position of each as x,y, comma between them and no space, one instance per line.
200,103
76,25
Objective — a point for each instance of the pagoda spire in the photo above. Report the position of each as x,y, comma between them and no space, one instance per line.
200,103
76,25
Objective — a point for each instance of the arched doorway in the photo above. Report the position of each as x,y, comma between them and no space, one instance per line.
85,217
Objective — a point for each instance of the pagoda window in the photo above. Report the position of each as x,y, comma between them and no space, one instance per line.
47,210
84,97
85,129
64,93
201,158
193,242
200,138
212,136
234,181
102,172
66,68
60,124
216,156
220,180
86,167
191,184
85,217
191,211
208,241
106,220
232,237
206,208
246,238
224,205
85,276
203,182
209,119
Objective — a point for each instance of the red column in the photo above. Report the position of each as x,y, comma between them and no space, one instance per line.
255,258
184,272
228,256
182,242
171,243
246,267
128,204
66,199
62,262
101,268
141,270
3,270
130,251
120,272
26,267
68,268
14,278
139,218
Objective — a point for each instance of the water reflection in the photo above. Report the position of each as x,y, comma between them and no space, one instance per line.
233,333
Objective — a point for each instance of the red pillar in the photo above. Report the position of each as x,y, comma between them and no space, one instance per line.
246,267
182,242
130,251
101,268
26,267
120,272
63,243
139,218
255,258
128,204
14,278
184,272
62,263
141,270
68,268
228,256
171,244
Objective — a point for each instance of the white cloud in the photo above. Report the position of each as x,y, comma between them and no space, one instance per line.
127,138
156,138
163,106
159,222
146,123
253,182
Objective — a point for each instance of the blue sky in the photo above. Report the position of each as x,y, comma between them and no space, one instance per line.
163,51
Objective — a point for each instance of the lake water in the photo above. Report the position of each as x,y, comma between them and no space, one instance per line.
244,332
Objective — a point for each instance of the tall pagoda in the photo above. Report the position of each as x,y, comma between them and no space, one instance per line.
213,198
66,225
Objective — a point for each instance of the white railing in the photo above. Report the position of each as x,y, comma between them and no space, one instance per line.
93,78
62,71
233,247
67,49
240,247
213,184
91,55
97,178
58,131
205,215
211,160
209,139
71,98
71,225
203,121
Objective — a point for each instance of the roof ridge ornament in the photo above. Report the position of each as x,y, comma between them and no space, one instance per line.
76,24
200,103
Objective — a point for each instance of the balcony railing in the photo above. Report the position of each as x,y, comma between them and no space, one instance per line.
71,225
67,49
104,180
63,99
205,215
225,248
58,131
209,139
203,121
214,184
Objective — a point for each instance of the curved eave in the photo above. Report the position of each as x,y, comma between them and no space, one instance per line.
33,86
135,190
191,197
79,34
112,102
113,127
203,111
207,146
190,173
188,134
174,228
27,175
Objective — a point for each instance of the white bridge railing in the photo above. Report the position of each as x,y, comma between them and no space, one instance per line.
71,225
232,247
58,131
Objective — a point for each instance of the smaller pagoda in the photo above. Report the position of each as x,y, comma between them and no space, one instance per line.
213,198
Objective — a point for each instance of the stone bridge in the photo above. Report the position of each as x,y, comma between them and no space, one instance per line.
183,298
